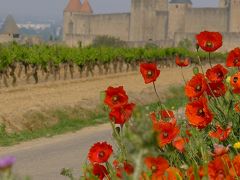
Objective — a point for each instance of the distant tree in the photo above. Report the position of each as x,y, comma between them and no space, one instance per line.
51,37
107,41
150,45
186,44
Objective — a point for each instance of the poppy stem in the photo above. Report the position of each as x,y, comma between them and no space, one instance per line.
183,76
209,59
200,63
160,102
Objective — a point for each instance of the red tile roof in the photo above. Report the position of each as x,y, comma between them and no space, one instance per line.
86,7
73,6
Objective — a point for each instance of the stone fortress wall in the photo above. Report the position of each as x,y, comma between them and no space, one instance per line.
153,21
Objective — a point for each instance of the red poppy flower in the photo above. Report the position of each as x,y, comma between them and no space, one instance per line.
209,41
220,133
216,73
196,86
198,113
235,170
172,173
166,114
179,143
156,165
216,89
191,175
182,62
100,152
118,168
218,168
188,133
99,171
233,58
115,97
235,82
220,150
127,167
168,131
149,72
237,107
120,115
155,122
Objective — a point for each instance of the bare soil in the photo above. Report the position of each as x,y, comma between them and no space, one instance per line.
18,103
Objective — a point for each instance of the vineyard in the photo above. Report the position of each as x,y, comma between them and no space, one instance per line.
24,62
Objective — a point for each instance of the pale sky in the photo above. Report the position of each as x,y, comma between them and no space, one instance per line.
53,9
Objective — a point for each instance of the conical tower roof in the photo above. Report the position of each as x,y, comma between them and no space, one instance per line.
9,26
86,7
73,6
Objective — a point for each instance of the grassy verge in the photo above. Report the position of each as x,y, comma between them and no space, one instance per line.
70,120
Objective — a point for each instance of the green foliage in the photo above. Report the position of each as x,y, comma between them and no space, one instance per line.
107,41
186,44
43,54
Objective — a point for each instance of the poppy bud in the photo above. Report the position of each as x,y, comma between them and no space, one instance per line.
195,70
118,129
197,47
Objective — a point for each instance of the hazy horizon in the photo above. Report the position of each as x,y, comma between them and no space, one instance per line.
53,10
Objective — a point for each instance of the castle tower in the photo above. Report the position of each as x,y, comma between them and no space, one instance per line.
143,19
234,14
177,10
73,7
223,3
86,8
161,5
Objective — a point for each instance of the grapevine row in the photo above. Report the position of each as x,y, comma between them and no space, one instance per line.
26,61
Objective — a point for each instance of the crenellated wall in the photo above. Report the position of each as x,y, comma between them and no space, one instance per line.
156,21
176,21
116,25
212,19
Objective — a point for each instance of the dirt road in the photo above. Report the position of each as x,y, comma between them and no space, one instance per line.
43,159
17,103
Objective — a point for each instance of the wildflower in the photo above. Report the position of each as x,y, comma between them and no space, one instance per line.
237,145
218,168
235,170
7,162
149,72
172,173
235,82
157,165
217,73
209,41
198,113
196,86
120,115
100,152
216,89
115,97
233,58
220,133
179,143
99,171
237,107
166,114
191,175
168,131
220,150
182,62
127,168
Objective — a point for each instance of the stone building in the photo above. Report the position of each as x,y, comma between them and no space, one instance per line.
157,21
9,30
